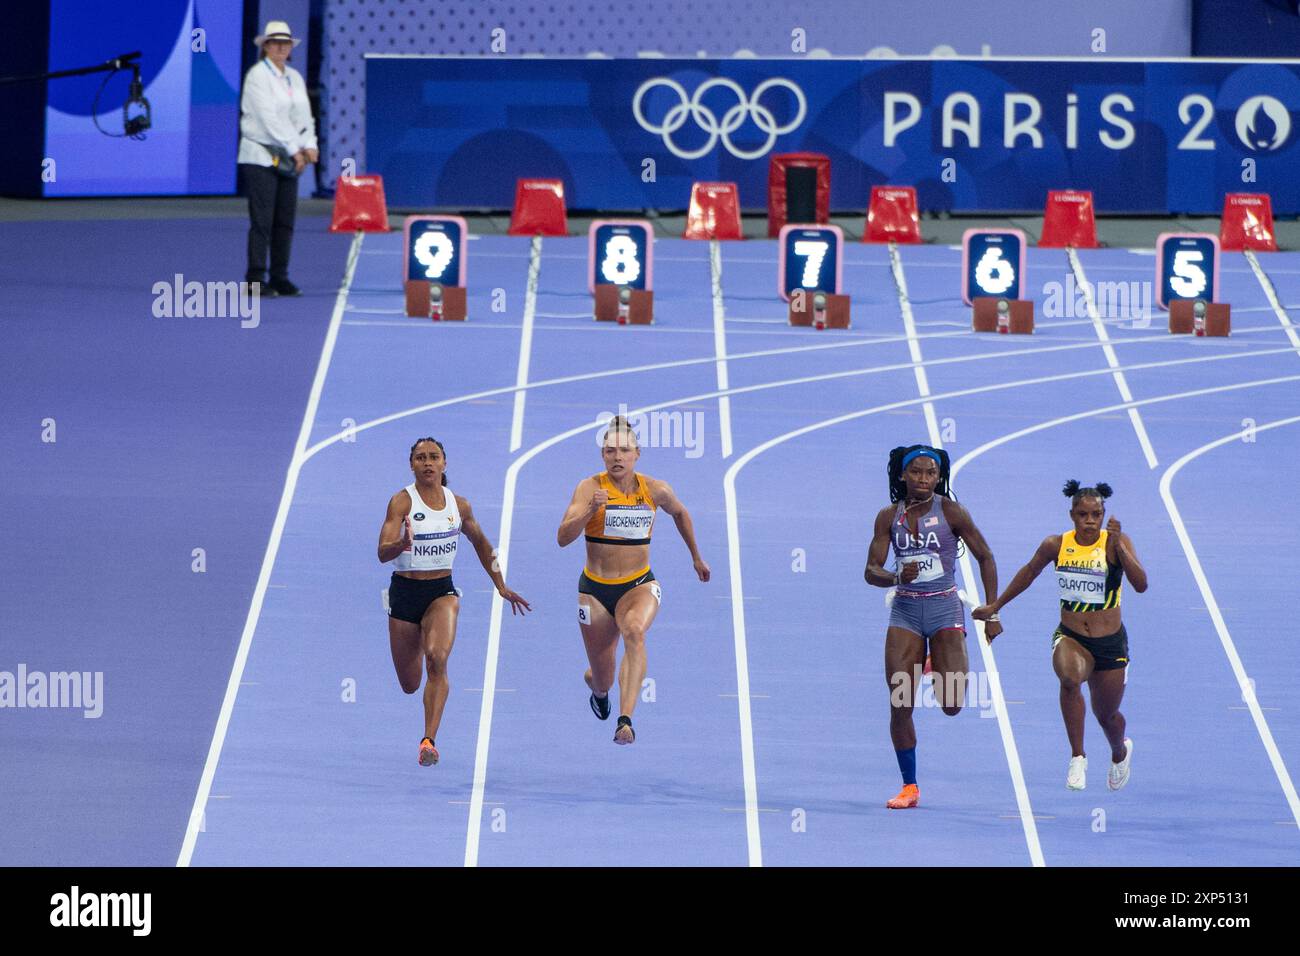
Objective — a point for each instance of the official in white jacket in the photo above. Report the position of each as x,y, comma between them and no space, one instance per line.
277,140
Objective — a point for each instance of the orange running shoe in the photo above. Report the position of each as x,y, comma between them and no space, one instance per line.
907,798
928,666
428,753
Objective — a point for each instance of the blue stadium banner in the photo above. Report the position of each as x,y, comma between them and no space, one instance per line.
971,134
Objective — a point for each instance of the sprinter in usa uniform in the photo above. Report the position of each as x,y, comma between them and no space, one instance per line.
924,526
420,533
617,591
1090,645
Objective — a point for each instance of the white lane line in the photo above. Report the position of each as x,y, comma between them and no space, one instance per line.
1143,439
720,345
525,344
268,561
913,346
970,456
507,524
589,376
1027,818
749,774
1220,627
1271,294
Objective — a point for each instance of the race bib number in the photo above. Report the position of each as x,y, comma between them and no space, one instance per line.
1082,584
584,614
654,589
629,522
929,567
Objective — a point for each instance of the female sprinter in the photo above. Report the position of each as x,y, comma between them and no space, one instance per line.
424,522
1090,645
923,525
617,591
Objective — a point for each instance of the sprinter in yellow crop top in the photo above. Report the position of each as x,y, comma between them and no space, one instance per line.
617,591
1090,645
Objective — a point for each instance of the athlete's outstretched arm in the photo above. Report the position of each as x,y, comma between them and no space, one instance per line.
963,525
487,556
1127,557
1045,555
395,533
875,572
664,497
586,501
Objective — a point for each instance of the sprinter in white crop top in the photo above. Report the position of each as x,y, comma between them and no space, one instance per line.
419,536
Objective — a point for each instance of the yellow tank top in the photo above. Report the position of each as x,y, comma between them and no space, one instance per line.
1086,580
626,519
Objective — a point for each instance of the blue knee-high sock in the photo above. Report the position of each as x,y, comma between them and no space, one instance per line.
907,764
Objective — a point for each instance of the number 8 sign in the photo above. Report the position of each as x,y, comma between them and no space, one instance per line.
1187,267
620,252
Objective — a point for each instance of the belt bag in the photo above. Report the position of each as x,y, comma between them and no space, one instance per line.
281,159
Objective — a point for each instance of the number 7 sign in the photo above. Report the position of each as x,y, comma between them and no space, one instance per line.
809,258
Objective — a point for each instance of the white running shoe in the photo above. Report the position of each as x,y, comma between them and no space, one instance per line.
1117,775
1076,776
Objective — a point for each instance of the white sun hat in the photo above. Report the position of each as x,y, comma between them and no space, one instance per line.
275,30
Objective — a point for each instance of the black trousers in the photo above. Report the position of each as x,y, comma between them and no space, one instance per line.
272,205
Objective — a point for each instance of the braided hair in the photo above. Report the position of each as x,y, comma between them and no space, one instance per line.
1075,493
898,487
440,448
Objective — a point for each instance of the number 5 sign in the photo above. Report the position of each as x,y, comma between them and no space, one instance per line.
620,252
1187,267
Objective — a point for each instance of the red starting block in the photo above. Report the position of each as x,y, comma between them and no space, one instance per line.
1196,316
1009,316
714,212
892,215
539,209
433,300
1069,220
821,310
359,205
1247,223
624,304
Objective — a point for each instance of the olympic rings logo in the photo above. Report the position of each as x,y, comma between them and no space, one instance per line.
732,120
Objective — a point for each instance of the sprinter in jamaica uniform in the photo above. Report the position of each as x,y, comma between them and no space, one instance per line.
617,591
1090,645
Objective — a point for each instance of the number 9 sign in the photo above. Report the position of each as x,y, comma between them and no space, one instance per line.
620,252
435,249
1187,267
